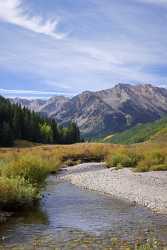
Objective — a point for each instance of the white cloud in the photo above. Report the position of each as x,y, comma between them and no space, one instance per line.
12,11
21,91
114,42
32,94
79,65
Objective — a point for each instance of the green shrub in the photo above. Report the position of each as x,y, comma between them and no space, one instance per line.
16,192
122,160
160,167
157,158
31,168
143,166
22,177
153,161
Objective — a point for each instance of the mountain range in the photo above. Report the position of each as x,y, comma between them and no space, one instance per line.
106,111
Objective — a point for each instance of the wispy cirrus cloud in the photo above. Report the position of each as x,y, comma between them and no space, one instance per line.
32,94
13,11
109,42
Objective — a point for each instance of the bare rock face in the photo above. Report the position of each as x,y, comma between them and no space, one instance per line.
106,111
33,105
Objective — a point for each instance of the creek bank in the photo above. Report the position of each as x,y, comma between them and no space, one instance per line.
147,189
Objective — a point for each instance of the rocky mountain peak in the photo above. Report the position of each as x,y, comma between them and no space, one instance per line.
106,111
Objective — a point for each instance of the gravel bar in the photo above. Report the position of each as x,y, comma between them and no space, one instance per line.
147,189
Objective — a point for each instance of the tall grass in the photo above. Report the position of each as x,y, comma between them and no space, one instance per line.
15,192
21,178
23,171
31,168
144,157
123,159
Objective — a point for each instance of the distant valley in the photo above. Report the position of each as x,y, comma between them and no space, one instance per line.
107,111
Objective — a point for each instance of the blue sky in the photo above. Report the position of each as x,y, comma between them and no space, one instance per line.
68,46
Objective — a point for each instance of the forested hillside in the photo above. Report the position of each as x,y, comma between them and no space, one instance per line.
17,122
154,130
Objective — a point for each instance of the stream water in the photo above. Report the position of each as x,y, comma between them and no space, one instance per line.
70,218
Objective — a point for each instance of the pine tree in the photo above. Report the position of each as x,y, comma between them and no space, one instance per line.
6,135
20,123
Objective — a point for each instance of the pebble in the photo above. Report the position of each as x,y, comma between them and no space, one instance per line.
147,189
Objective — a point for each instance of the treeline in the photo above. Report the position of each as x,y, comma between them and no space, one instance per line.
20,123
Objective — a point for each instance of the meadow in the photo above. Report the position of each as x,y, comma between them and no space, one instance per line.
23,171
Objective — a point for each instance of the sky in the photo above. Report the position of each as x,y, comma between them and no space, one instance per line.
65,47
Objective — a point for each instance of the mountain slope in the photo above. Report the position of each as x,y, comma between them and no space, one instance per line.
160,136
102,112
155,132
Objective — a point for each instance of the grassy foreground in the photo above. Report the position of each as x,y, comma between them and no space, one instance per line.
23,171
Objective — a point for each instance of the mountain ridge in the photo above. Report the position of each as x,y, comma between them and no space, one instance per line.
105,111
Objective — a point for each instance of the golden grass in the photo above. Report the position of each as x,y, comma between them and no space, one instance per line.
22,174
16,192
147,154
23,170
83,152
160,137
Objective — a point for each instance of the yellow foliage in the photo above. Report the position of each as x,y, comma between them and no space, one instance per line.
25,169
